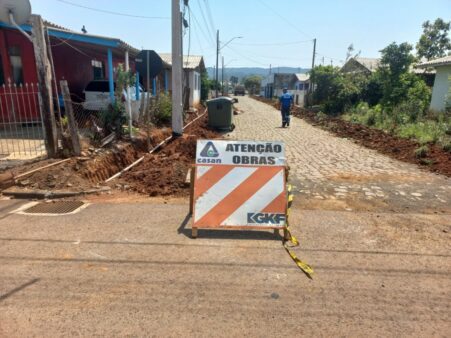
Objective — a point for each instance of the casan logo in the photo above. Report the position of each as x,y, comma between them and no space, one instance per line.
262,218
209,150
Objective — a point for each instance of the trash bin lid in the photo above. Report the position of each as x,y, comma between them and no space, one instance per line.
221,99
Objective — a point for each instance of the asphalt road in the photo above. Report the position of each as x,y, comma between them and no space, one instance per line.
132,270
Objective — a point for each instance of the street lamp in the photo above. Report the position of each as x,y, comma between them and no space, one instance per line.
218,48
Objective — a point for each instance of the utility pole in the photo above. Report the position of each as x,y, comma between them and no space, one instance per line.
177,71
313,63
323,60
217,62
45,85
222,77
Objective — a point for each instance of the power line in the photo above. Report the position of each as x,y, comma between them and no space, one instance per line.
210,17
246,57
212,35
328,57
274,43
206,36
283,18
113,13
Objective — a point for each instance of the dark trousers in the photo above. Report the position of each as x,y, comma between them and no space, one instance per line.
285,116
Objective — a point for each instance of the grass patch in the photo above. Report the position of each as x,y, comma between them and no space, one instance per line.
432,128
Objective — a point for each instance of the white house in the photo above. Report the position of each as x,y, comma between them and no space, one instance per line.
441,95
301,88
297,85
193,66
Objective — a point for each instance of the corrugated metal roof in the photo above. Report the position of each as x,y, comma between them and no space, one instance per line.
302,77
122,44
189,61
444,61
369,63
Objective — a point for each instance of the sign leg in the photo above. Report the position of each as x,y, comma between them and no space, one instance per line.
194,232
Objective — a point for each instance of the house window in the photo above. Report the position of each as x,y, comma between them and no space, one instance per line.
98,70
305,86
16,64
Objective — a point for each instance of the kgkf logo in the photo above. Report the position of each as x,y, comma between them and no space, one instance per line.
265,218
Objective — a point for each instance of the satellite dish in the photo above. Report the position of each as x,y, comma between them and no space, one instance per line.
20,9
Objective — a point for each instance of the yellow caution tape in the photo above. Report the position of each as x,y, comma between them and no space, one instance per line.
307,269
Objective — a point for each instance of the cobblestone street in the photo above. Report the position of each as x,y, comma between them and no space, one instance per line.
336,173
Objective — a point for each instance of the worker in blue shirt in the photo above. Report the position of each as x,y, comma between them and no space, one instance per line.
286,102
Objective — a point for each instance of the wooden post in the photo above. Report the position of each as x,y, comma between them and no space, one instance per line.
45,84
192,174
72,124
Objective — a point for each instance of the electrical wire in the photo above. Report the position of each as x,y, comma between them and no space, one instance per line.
209,15
112,12
273,43
74,48
212,34
246,57
283,18
206,36
63,41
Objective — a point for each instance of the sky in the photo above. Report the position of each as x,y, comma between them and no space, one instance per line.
272,32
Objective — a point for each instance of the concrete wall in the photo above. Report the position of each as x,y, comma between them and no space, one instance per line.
440,91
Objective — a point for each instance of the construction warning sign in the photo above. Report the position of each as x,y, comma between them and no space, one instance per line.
240,153
239,184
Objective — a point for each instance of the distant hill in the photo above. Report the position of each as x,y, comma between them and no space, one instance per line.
247,71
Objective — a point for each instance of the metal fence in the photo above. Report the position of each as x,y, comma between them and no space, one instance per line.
21,127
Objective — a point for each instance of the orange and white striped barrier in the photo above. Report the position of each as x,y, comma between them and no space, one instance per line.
240,184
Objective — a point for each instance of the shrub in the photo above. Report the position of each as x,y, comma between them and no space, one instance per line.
162,110
421,152
446,146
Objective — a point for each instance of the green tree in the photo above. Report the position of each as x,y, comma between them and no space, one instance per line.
395,62
205,86
396,59
335,91
252,83
434,42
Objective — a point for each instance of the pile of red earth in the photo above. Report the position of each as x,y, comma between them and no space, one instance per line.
436,159
78,173
165,173
159,174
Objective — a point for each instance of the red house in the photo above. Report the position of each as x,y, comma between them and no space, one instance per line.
78,58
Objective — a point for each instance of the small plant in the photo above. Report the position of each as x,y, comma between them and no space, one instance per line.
426,161
321,116
64,122
446,146
421,152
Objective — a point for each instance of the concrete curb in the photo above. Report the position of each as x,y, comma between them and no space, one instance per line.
45,194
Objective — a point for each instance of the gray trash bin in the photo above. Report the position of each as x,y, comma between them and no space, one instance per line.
220,113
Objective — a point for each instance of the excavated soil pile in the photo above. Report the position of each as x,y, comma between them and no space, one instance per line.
162,173
83,173
89,171
165,172
436,160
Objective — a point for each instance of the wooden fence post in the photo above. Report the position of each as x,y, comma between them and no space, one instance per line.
72,124
45,85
